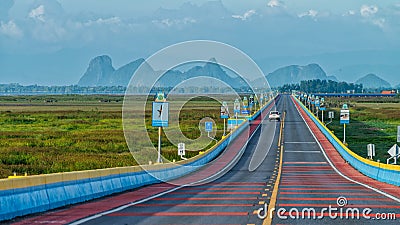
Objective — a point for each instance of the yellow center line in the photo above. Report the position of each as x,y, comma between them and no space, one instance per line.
272,202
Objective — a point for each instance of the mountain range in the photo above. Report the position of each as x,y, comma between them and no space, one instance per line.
101,72
294,74
373,81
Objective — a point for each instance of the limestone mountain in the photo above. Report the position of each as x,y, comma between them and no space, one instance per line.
373,81
294,74
100,72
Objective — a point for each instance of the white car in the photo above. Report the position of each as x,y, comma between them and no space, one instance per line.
274,115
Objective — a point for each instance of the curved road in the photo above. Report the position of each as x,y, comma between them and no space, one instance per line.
303,181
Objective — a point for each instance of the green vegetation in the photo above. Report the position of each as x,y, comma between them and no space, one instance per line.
17,89
48,134
372,122
322,86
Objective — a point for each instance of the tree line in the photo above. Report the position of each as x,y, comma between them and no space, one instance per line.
17,89
322,86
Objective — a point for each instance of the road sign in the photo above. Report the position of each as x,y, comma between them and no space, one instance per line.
398,134
236,106
181,149
393,151
251,101
224,111
160,114
331,115
160,97
209,126
245,103
344,116
322,106
371,150
317,102
232,123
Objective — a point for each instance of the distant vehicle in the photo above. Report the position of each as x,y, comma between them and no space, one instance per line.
274,115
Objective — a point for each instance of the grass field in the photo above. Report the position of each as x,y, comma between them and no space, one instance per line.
48,134
373,121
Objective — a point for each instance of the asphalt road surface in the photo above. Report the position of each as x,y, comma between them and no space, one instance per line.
309,182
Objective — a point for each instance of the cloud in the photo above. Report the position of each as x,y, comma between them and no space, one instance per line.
174,22
37,13
275,3
107,21
368,10
380,22
310,13
350,13
11,29
369,13
246,15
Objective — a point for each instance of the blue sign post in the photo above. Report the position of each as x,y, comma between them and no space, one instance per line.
224,114
322,108
344,119
236,109
245,110
209,126
160,114
251,103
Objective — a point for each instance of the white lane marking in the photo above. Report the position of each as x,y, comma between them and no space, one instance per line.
336,170
84,220
305,151
299,142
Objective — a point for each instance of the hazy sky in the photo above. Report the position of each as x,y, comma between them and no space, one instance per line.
52,42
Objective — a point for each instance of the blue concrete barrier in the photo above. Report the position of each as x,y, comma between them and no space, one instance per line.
378,171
